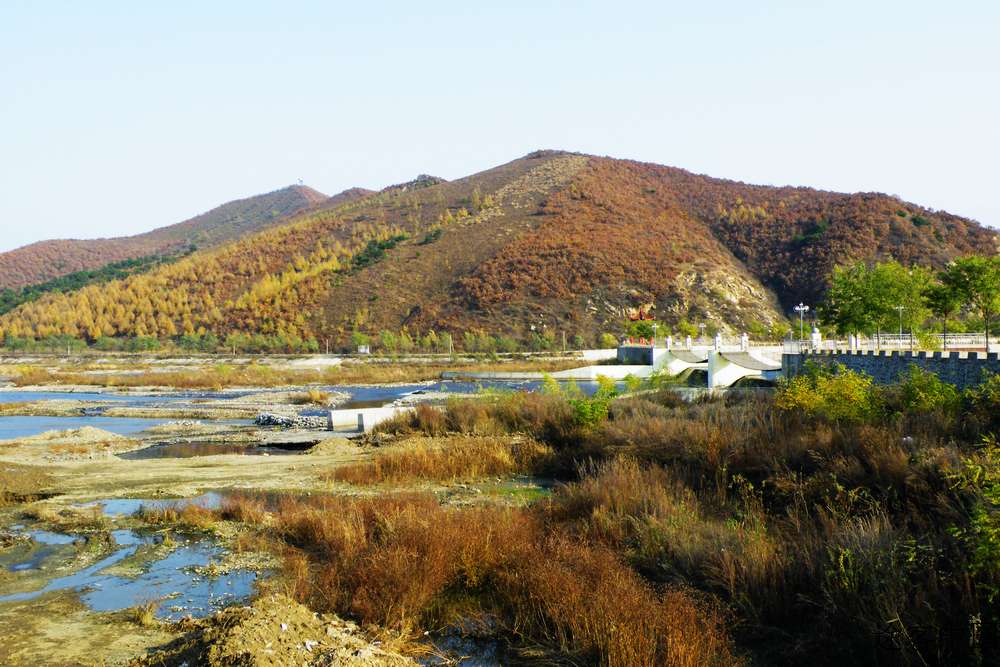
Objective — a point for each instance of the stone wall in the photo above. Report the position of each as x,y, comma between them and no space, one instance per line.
635,355
963,369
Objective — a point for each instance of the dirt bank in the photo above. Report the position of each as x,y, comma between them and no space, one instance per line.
273,631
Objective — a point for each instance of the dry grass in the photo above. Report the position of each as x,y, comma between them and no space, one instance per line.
69,519
190,516
405,562
244,508
451,458
22,483
667,532
143,615
221,376
311,397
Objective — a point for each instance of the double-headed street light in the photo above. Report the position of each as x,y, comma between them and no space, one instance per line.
801,309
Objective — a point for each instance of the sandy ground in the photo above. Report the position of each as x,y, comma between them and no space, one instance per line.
56,628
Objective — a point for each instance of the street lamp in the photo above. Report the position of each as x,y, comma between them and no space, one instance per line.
701,331
801,309
900,310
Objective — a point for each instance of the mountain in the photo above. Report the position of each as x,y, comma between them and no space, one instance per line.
551,242
43,261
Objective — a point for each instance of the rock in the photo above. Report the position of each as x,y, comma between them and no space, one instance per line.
298,421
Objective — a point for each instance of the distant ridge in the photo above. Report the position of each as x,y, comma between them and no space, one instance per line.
45,260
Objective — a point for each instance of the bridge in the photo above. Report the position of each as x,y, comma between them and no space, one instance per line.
725,362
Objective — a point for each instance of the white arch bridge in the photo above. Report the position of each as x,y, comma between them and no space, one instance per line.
724,363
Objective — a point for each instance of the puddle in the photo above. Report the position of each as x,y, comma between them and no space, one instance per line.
171,579
128,506
469,652
184,450
31,555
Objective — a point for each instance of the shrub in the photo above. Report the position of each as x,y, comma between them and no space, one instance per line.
834,393
923,391
311,397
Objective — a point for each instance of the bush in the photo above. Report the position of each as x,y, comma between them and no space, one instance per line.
923,391
405,562
834,393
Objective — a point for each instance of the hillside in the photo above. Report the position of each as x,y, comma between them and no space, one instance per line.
553,243
45,260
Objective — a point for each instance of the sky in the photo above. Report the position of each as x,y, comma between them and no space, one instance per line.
120,117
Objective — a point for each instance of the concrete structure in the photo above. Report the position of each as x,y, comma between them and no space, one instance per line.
725,368
962,369
725,362
361,420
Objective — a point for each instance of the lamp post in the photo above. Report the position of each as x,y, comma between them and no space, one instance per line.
654,334
900,310
701,331
801,309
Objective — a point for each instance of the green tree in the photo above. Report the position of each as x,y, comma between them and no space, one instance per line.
976,281
685,328
867,299
943,302
359,338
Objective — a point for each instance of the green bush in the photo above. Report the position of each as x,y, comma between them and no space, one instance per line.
923,391
831,392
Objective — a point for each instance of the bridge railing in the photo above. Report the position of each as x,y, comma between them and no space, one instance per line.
956,341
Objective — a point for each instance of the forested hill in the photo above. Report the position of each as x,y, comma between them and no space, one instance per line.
552,243
43,261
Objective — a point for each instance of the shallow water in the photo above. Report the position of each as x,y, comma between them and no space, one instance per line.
26,426
184,450
31,556
171,579
469,652
22,426
28,396
127,506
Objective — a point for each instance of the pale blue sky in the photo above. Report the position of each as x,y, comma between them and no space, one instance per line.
118,117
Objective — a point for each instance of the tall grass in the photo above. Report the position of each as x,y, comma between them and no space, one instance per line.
450,458
406,562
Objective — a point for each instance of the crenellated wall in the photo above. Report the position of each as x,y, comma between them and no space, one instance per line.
963,369
639,355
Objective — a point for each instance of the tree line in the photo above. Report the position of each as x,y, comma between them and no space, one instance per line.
873,298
